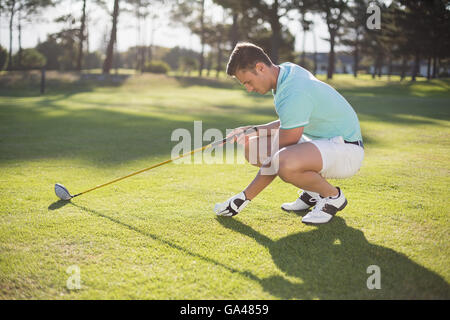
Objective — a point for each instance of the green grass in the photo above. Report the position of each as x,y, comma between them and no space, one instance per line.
154,236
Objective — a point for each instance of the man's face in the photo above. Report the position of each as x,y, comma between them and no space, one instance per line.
255,80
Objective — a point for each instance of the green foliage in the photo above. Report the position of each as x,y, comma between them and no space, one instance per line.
188,64
3,57
157,66
173,57
92,60
306,63
52,50
29,59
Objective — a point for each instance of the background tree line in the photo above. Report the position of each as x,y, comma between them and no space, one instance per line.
412,32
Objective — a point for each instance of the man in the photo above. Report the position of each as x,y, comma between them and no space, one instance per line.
316,137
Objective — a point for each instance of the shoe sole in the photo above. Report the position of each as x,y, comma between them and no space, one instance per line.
296,211
339,209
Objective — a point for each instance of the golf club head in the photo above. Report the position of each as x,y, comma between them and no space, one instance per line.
62,192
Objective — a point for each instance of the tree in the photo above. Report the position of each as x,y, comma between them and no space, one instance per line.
60,48
30,59
272,13
238,11
11,6
333,11
355,30
107,64
25,10
3,57
141,10
81,37
192,14
303,6
52,51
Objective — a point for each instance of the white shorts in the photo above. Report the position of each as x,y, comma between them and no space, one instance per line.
339,159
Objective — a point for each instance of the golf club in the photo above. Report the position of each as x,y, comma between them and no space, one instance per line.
64,194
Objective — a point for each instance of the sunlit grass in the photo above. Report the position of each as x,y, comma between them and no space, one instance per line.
154,236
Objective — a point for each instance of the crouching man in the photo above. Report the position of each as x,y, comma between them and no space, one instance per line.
316,137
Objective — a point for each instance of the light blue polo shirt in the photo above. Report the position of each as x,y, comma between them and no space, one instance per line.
301,100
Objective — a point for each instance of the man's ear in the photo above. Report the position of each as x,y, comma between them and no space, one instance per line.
260,66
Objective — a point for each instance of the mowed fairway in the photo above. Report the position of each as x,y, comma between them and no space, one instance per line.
155,236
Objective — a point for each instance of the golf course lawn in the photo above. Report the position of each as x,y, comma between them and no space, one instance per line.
155,236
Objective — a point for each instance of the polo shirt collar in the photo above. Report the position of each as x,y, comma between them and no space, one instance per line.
279,79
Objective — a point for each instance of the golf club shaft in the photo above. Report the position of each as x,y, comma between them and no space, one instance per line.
218,143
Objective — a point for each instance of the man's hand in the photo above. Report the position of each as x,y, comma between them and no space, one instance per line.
239,134
232,206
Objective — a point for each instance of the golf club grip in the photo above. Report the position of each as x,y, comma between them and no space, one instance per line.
164,162
225,140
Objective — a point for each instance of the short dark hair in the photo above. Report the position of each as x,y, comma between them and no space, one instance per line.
245,56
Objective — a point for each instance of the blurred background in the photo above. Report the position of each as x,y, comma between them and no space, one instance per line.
195,37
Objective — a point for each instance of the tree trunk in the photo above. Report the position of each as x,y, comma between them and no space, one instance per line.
315,52
202,39
209,64
389,68
415,70
330,70
275,38
9,67
81,36
429,68
234,30
434,66
355,61
380,66
219,57
87,39
110,50
19,54
303,58
403,71
143,55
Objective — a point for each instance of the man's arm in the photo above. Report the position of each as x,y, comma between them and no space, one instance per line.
261,130
269,170
266,129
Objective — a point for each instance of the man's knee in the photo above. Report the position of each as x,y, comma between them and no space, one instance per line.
250,153
256,151
288,167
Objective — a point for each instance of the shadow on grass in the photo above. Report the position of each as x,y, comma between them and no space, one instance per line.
58,204
249,275
329,262
187,81
47,130
27,83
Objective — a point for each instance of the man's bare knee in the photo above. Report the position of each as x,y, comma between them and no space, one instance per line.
288,167
250,152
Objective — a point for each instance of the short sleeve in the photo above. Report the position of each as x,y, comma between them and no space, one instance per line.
294,110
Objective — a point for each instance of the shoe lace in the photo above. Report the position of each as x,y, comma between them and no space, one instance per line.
300,192
319,205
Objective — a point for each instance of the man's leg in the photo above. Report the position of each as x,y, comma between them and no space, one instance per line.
299,165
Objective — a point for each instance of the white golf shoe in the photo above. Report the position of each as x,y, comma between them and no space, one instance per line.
306,200
232,206
325,209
